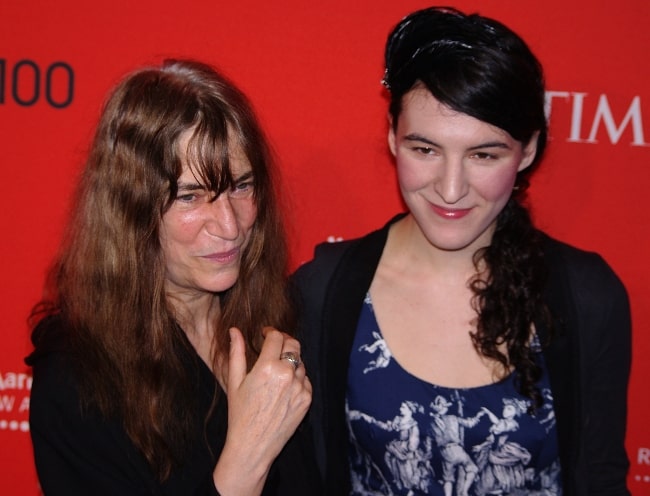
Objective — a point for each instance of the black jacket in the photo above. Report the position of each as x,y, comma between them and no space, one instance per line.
82,453
588,358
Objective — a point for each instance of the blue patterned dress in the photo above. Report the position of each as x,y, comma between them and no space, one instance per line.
410,437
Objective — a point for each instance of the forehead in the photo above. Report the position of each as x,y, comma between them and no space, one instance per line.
422,112
189,152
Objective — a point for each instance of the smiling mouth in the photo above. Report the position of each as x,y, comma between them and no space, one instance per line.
450,213
223,256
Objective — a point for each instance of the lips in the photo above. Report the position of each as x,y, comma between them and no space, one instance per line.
223,256
450,213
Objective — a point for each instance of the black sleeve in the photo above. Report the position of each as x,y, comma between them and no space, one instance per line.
81,453
606,340
75,453
294,472
309,286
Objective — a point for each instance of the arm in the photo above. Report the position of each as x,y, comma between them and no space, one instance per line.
356,415
606,339
79,453
472,421
83,453
493,418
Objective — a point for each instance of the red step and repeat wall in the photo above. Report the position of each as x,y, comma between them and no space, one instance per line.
313,71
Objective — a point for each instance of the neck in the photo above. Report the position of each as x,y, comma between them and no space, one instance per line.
409,244
197,315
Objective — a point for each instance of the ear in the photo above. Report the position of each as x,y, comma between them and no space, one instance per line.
391,135
529,151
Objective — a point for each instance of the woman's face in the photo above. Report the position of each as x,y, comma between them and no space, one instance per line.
203,238
455,172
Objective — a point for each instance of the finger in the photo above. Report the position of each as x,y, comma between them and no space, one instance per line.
291,353
293,359
236,359
307,384
267,329
291,344
277,342
288,344
287,337
301,373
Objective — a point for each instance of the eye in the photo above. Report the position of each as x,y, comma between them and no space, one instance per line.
186,197
424,150
191,195
485,156
242,189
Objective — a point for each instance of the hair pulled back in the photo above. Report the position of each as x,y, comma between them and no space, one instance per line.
481,68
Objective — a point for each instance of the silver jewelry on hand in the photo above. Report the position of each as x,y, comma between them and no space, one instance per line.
291,357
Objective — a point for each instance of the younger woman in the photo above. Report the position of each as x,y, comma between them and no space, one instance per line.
515,346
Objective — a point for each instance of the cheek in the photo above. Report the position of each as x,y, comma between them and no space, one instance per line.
409,175
179,228
496,186
246,212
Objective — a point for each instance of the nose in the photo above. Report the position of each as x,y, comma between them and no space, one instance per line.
451,183
221,219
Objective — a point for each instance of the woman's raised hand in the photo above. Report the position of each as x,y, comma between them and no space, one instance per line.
265,406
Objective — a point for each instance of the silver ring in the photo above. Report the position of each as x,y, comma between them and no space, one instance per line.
290,356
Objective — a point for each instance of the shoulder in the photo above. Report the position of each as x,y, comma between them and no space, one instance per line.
51,357
585,270
54,384
328,256
56,403
583,289
310,282
337,270
70,437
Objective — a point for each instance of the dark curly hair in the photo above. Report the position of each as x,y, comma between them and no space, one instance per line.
481,68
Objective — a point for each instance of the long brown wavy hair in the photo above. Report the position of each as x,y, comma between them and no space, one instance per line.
478,66
108,282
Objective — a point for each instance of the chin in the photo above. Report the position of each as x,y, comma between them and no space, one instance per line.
450,243
223,284
458,239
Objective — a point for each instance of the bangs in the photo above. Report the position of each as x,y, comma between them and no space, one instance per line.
208,155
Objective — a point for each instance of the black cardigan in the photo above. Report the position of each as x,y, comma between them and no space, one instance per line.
588,358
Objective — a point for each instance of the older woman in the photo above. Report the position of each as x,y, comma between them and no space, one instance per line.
159,364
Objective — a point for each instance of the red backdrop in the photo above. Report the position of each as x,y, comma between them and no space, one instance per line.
313,70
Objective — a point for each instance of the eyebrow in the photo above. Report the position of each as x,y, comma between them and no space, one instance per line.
245,176
487,144
183,186
189,186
